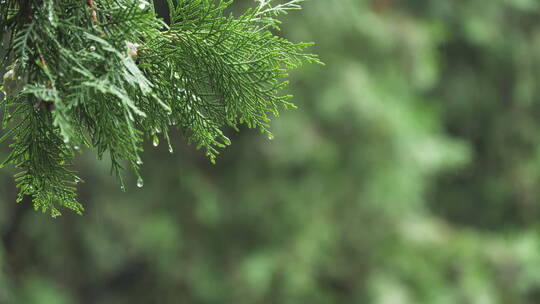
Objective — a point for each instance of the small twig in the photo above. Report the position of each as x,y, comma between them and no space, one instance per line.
93,13
42,60
49,106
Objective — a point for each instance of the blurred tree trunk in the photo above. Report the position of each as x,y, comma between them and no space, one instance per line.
379,6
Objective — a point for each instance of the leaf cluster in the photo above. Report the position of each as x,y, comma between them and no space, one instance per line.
106,74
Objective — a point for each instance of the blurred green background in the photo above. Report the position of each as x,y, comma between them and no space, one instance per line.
409,174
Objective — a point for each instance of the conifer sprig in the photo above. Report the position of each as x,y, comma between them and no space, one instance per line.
108,73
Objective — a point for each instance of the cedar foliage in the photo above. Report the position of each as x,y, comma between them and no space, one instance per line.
108,74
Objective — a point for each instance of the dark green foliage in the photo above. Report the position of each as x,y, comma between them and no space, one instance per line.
410,176
106,74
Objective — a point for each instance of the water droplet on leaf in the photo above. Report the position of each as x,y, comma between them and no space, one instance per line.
9,74
155,141
140,182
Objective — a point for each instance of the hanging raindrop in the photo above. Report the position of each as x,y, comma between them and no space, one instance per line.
140,182
92,48
9,75
76,147
155,141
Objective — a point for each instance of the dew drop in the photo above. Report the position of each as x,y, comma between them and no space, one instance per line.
140,182
76,147
155,141
9,74
92,48
170,149
139,162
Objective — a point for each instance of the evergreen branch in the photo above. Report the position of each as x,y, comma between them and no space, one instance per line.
105,74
